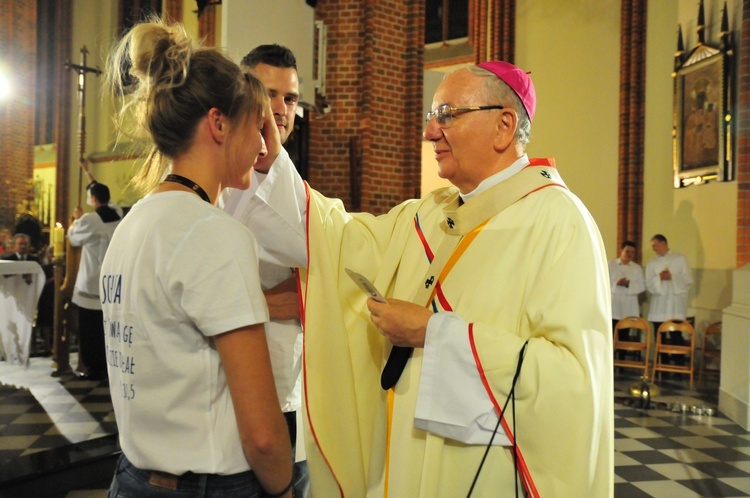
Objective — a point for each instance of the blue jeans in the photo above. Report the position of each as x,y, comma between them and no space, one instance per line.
132,482
301,479
301,473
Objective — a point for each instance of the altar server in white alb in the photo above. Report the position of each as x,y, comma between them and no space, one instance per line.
92,232
190,375
626,282
496,290
668,279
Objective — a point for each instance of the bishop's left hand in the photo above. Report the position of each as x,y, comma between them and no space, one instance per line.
401,322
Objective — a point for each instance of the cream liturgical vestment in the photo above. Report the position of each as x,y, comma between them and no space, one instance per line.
532,271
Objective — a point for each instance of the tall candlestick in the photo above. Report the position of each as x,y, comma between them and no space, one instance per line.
58,240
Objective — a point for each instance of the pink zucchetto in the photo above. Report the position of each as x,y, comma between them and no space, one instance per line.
517,79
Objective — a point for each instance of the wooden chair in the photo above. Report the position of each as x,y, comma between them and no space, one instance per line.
642,346
687,349
711,348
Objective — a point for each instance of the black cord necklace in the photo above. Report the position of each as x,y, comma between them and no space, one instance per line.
189,184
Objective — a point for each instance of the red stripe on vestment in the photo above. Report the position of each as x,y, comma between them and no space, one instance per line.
430,256
425,244
542,161
527,481
441,297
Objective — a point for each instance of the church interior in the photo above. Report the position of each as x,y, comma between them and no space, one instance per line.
616,86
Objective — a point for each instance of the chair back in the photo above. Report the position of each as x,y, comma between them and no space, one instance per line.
642,347
677,325
633,322
710,348
662,348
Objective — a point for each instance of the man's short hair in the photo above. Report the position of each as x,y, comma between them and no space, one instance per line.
273,54
100,191
628,243
20,235
659,237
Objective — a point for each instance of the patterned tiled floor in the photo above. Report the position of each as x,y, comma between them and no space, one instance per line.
38,411
659,452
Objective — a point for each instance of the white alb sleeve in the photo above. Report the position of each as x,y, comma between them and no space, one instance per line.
452,401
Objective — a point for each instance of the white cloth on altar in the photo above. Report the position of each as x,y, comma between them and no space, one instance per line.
18,302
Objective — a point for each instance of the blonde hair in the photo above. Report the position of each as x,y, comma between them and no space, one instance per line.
166,85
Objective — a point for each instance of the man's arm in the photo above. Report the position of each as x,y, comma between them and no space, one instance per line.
653,280
637,281
274,210
81,229
682,277
283,300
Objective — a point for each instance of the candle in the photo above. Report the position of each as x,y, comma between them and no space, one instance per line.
58,240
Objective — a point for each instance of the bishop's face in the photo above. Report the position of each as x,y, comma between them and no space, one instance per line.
464,147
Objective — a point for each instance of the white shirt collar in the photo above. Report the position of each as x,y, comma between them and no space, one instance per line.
498,177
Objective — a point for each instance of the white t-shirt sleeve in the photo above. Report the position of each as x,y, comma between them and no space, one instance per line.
452,401
217,283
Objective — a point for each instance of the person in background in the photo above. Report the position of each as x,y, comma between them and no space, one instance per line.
45,311
190,374
6,245
276,67
626,283
110,204
668,280
92,232
497,299
20,248
20,251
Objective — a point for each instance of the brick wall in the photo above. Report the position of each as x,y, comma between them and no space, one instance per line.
18,49
743,141
374,87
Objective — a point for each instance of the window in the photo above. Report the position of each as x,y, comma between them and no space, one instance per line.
446,20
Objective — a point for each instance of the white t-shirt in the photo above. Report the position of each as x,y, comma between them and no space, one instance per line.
177,272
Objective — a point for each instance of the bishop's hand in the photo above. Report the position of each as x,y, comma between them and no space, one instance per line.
401,322
273,143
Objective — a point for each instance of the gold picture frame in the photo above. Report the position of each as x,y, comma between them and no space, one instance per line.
702,139
702,129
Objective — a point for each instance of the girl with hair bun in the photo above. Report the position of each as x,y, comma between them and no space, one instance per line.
188,364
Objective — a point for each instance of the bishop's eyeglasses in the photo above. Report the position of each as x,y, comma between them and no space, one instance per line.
444,114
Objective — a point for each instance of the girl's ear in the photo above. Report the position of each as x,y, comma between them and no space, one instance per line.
217,125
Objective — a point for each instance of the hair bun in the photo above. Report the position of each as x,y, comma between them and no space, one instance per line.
159,52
